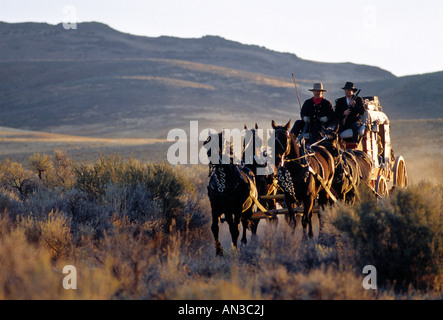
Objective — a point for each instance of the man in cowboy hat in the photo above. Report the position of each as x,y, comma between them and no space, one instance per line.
348,110
316,113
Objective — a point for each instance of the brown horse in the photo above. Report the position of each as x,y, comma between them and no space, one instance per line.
347,170
365,164
310,170
230,190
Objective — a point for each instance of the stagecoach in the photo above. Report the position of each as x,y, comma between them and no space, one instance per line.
388,171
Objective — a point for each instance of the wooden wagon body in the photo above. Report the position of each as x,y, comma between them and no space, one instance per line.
389,171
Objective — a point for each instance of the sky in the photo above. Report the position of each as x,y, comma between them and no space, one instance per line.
404,37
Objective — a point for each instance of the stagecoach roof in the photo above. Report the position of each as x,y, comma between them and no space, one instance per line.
376,115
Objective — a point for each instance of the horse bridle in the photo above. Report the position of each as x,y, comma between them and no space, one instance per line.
287,148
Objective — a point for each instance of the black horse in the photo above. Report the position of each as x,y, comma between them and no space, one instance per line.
266,183
230,190
307,173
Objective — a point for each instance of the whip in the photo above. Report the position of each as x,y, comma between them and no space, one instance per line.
296,89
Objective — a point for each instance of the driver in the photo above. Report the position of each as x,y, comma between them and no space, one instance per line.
316,113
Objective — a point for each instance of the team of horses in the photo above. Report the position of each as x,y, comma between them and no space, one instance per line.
324,170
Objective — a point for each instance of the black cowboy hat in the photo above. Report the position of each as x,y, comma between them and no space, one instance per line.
349,86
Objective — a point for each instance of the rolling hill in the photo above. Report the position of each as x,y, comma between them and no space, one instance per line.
96,81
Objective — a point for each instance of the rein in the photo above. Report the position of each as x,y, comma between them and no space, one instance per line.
300,158
306,155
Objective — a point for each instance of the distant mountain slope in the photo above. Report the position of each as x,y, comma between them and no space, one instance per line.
411,97
133,97
97,41
100,82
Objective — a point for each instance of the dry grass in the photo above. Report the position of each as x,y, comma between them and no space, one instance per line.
170,82
420,142
20,144
17,137
256,78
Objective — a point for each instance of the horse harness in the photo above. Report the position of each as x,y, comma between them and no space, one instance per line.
220,184
219,176
308,154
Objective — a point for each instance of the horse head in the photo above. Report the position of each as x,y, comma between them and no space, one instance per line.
222,148
333,142
253,142
282,141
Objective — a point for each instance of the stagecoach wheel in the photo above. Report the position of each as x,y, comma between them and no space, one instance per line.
400,173
381,186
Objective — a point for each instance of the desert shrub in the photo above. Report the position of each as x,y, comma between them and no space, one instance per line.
87,219
141,191
55,171
56,233
316,284
52,232
25,268
402,237
134,209
10,204
92,179
63,169
41,165
15,178
155,195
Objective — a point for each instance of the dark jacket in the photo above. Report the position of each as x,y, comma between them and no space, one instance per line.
311,110
356,111
315,112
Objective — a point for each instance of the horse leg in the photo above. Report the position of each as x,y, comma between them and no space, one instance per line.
253,224
215,232
270,205
290,216
350,197
308,203
234,224
323,200
245,223
254,227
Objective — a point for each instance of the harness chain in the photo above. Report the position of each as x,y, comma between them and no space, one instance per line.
285,181
220,183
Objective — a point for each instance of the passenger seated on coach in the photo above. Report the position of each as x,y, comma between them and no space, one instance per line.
348,111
